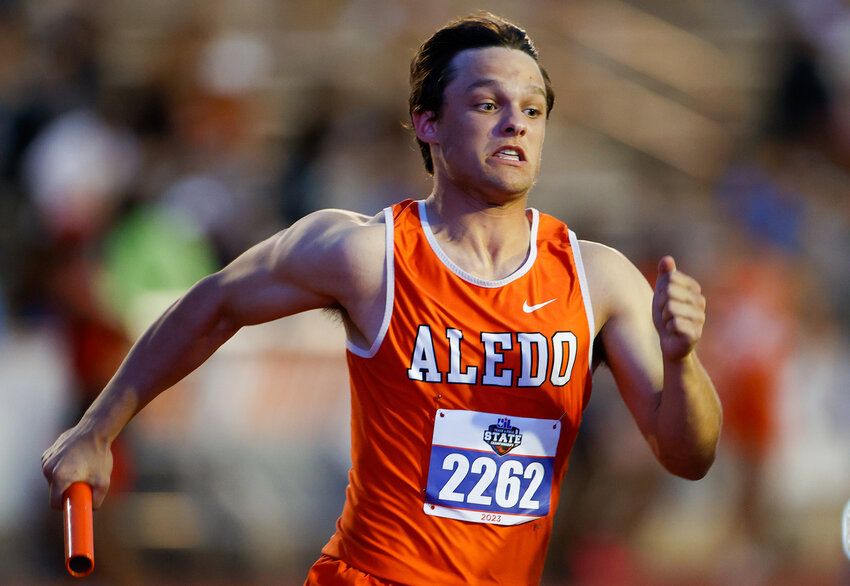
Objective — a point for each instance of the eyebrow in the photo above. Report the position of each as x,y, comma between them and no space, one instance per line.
489,82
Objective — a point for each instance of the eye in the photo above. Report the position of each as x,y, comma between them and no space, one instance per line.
486,106
533,112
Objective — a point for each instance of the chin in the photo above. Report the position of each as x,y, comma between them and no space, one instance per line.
512,189
505,195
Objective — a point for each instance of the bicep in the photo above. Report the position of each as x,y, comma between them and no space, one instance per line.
296,270
256,294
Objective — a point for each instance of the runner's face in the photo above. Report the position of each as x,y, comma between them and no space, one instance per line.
489,135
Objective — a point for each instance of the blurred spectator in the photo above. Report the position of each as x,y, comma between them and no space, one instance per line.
152,255
76,170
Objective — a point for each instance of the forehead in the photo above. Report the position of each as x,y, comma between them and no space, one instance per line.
498,64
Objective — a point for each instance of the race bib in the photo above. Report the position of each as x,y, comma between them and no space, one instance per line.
489,468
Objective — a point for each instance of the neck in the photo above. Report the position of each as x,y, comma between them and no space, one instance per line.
490,241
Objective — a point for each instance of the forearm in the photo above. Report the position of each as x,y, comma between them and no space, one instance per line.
179,341
688,419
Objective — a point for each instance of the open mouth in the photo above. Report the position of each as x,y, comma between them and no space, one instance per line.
510,154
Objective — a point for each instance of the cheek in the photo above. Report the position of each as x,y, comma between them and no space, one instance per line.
464,138
462,141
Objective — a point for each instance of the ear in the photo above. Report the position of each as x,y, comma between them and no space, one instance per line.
425,124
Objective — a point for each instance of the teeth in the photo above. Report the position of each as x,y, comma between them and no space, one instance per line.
508,154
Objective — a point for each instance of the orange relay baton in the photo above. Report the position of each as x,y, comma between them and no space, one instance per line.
79,531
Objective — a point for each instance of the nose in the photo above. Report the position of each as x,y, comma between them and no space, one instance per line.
514,123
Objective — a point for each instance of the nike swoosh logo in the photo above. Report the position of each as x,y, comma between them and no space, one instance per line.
529,308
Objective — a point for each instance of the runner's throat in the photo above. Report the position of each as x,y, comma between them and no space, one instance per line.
481,244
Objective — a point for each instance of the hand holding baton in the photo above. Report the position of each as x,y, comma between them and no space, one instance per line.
79,531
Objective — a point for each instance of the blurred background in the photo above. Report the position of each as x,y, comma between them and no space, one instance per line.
145,144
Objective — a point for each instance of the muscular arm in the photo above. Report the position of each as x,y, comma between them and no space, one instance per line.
648,341
329,258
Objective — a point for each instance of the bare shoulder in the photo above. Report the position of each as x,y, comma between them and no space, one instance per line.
614,282
340,256
329,258
332,227
342,248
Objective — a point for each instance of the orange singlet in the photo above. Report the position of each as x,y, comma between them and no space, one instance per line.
464,411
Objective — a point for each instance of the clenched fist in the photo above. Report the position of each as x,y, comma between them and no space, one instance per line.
678,310
77,457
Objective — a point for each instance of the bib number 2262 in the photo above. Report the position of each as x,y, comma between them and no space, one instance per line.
489,468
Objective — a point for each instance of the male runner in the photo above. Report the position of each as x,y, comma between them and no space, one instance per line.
473,325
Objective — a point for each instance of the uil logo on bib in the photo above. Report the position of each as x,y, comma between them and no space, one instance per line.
502,437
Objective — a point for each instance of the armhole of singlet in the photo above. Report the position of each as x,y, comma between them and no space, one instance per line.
585,294
388,302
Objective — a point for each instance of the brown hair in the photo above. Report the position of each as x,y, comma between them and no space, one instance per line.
430,70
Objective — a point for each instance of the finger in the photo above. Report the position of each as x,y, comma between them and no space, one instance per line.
98,494
682,296
684,310
688,307
676,300
100,484
667,264
684,328
685,296
684,281
60,485
57,489
47,468
676,324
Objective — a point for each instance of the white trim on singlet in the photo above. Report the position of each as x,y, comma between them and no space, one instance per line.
526,266
390,293
585,294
